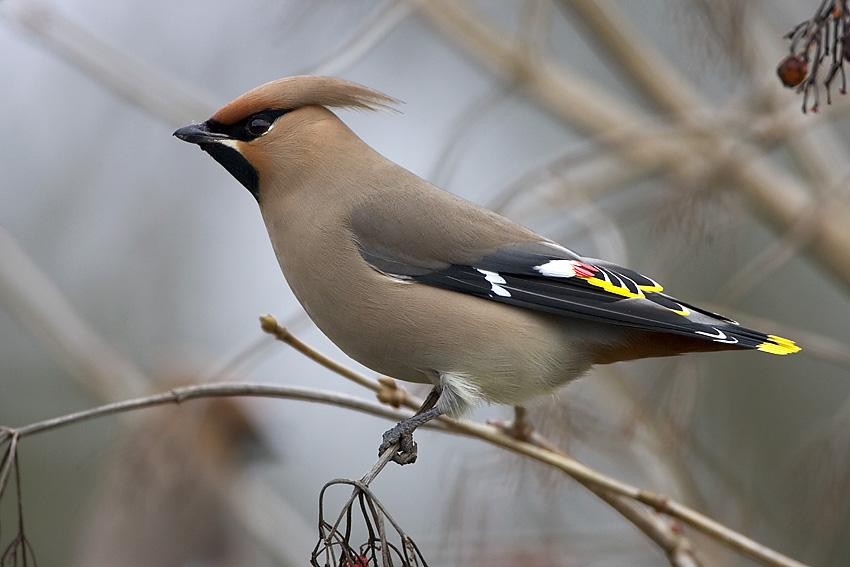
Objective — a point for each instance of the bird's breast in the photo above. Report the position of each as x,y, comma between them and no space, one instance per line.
410,330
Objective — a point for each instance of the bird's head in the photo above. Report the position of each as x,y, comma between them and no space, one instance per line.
275,124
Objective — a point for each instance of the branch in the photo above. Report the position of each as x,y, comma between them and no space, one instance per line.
578,471
652,73
666,534
197,391
384,21
583,474
633,56
137,82
40,307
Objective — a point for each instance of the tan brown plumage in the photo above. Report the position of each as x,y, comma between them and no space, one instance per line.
419,284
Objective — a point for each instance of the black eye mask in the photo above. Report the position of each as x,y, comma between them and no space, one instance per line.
249,128
213,137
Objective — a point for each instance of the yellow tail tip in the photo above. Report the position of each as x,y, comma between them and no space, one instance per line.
778,345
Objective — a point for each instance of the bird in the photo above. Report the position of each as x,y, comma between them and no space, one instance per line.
416,283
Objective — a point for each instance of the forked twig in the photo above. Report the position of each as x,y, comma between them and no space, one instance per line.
18,552
335,547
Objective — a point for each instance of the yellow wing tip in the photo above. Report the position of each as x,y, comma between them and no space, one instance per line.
778,345
613,288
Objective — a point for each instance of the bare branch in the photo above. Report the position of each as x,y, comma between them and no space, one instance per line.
269,325
385,20
492,435
661,530
37,305
137,82
635,57
578,471
196,391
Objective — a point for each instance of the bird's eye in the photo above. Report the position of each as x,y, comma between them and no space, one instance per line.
258,126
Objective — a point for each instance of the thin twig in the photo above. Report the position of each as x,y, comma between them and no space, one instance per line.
161,95
221,389
772,257
378,26
492,435
35,301
571,467
666,534
269,325
37,304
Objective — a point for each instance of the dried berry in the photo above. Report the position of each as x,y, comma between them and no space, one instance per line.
792,70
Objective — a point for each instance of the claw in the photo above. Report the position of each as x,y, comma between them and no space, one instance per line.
401,436
406,452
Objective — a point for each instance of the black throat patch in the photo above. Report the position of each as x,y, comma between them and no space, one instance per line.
247,129
236,165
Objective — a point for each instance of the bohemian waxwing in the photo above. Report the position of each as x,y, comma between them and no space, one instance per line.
421,285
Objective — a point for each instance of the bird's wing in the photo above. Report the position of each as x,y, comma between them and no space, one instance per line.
545,276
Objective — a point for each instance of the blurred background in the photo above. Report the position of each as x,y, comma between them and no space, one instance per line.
652,133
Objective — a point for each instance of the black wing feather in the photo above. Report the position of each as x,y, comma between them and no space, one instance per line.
545,277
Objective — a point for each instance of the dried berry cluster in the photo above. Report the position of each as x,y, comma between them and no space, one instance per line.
363,513
825,35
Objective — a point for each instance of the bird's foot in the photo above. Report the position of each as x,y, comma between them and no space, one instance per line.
400,436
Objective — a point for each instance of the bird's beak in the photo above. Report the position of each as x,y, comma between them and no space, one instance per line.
199,134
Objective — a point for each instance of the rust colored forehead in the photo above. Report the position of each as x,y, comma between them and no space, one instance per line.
293,92
255,100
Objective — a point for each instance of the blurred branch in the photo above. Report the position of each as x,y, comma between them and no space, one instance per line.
668,535
384,21
587,152
649,69
772,257
818,152
665,85
774,195
578,471
462,128
815,345
37,305
139,83
634,56
662,82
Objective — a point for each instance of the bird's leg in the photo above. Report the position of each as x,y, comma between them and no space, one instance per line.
520,428
402,433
